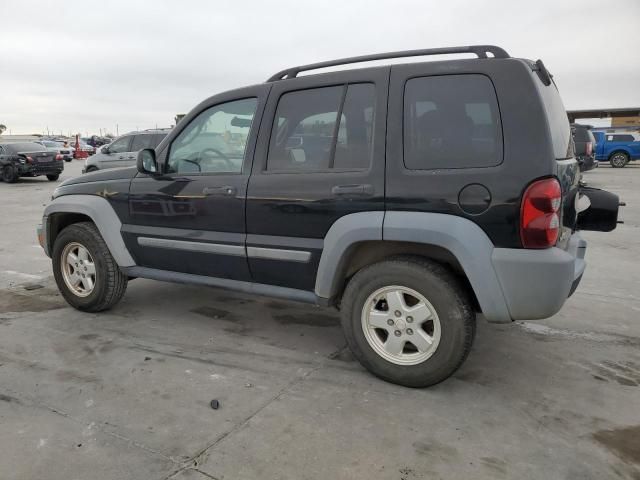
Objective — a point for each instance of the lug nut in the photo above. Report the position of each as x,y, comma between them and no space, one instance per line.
397,313
409,331
390,322
409,319
398,333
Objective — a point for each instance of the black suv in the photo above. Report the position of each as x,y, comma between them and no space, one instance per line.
408,196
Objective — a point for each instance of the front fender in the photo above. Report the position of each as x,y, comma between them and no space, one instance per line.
103,216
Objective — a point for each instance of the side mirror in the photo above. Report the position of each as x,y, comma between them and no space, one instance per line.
147,161
105,149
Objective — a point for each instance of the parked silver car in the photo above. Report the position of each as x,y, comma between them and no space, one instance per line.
66,151
122,152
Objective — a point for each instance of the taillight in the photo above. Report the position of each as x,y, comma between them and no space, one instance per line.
58,157
589,148
539,220
29,159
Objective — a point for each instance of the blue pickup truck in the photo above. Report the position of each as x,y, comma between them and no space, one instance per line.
617,148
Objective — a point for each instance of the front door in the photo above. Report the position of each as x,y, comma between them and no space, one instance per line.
320,157
191,218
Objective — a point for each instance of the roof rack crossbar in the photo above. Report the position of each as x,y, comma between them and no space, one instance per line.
480,50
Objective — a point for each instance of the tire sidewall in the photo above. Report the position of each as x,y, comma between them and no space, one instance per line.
449,308
621,156
9,178
85,238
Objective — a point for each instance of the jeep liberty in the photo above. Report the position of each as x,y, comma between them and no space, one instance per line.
410,196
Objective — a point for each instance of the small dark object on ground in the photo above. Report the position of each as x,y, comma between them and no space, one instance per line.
215,404
146,359
33,286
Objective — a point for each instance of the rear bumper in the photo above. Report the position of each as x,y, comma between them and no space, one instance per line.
43,169
536,283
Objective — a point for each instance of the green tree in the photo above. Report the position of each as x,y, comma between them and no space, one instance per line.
2,128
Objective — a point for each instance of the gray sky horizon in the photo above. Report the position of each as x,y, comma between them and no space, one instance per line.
78,66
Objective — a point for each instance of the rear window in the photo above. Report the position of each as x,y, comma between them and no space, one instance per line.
23,147
557,118
451,121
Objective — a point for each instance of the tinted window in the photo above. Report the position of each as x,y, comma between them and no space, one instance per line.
215,141
156,139
139,142
621,138
304,136
451,121
120,145
581,134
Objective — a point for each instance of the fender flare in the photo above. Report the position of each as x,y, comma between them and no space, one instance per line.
100,211
466,241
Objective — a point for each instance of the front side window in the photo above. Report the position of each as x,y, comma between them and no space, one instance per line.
451,121
121,145
323,129
215,141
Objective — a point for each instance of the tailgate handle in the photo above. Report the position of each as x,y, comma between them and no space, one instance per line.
225,190
361,189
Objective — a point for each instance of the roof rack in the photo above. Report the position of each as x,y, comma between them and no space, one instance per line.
480,50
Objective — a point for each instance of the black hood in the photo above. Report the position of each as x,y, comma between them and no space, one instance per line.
126,173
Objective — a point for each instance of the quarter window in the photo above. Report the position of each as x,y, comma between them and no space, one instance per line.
451,121
323,129
215,141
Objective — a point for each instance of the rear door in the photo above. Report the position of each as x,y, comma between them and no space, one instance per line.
320,156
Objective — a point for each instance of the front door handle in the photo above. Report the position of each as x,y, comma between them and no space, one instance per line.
227,190
360,189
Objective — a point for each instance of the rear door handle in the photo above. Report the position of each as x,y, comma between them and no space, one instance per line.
360,189
227,190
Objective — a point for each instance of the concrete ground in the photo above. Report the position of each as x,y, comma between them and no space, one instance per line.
125,394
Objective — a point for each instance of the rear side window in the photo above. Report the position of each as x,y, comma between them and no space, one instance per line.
451,121
323,129
156,139
620,138
139,142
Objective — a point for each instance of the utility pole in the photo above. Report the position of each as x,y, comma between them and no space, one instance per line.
117,132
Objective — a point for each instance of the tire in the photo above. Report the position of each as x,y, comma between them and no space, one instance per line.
53,178
9,174
618,159
446,298
109,283
91,169
67,160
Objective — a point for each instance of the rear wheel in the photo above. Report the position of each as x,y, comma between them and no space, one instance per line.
408,321
86,274
619,159
91,169
53,178
67,159
9,174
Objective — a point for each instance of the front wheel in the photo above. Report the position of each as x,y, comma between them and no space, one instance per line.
9,174
86,274
619,159
408,321
54,177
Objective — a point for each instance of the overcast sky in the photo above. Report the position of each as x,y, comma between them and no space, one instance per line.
78,66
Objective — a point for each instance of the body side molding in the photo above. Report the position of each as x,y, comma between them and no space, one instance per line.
101,213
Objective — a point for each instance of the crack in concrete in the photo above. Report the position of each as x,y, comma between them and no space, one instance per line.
30,402
194,461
